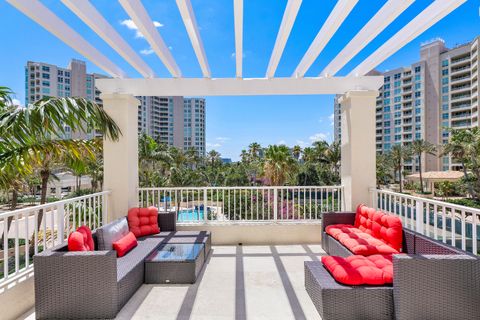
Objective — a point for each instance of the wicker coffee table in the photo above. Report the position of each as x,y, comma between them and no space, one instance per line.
175,263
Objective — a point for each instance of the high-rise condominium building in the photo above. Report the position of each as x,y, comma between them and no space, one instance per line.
427,98
172,120
176,121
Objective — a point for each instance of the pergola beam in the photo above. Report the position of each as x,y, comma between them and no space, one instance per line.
238,87
383,18
145,25
339,13
186,11
238,21
92,18
288,20
36,11
427,18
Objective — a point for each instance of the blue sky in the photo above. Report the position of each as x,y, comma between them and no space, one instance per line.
232,122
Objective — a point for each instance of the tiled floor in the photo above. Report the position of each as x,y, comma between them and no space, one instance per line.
237,282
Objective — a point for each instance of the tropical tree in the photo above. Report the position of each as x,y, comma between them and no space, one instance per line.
399,154
419,148
279,164
32,137
462,148
297,152
384,169
254,150
332,156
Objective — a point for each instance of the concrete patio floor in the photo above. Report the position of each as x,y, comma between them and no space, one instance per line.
237,282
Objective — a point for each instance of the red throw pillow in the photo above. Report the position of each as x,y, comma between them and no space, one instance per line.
81,240
124,245
143,221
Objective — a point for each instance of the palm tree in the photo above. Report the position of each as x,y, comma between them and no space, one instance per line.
213,157
383,168
32,136
399,154
332,156
244,156
279,164
418,148
308,155
254,150
297,151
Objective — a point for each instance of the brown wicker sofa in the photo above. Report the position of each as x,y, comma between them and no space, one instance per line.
432,280
97,284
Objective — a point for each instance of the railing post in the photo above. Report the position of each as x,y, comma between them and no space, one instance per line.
275,203
419,216
205,199
104,208
60,222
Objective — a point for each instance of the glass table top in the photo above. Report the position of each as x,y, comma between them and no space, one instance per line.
176,252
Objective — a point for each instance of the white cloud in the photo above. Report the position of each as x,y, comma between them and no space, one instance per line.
213,145
282,142
319,136
132,26
146,52
222,139
331,118
16,102
301,143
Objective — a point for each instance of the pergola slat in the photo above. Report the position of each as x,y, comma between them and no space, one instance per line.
186,11
288,20
91,17
427,18
339,13
39,13
384,17
239,87
145,25
238,21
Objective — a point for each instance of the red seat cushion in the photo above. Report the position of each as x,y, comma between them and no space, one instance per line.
125,244
357,241
359,270
143,221
81,240
387,228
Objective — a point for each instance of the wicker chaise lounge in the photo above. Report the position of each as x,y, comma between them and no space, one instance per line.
97,284
432,280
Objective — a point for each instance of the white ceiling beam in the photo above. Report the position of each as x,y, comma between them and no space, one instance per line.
238,21
186,11
383,18
144,23
92,18
39,13
427,18
238,86
339,13
288,20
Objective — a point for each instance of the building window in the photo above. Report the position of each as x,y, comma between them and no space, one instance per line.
445,63
444,80
397,99
45,68
386,109
444,115
397,76
418,94
397,91
418,69
445,72
45,76
418,86
418,110
386,79
444,89
46,83
386,94
398,106
418,102
397,84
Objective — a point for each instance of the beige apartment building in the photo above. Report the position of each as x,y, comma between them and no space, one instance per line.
425,99
176,121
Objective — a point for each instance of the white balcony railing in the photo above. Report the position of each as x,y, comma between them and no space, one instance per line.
34,229
244,204
453,224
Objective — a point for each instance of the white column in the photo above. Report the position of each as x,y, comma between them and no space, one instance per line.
358,148
120,158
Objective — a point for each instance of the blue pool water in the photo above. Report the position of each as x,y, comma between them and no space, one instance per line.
187,215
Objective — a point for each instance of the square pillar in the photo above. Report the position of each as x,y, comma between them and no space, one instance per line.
358,163
120,158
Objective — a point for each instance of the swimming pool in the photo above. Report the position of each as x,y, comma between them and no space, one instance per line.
187,215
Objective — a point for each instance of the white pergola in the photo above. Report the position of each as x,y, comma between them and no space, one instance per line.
359,91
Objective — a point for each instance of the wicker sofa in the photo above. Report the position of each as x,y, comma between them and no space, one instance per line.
432,280
97,284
